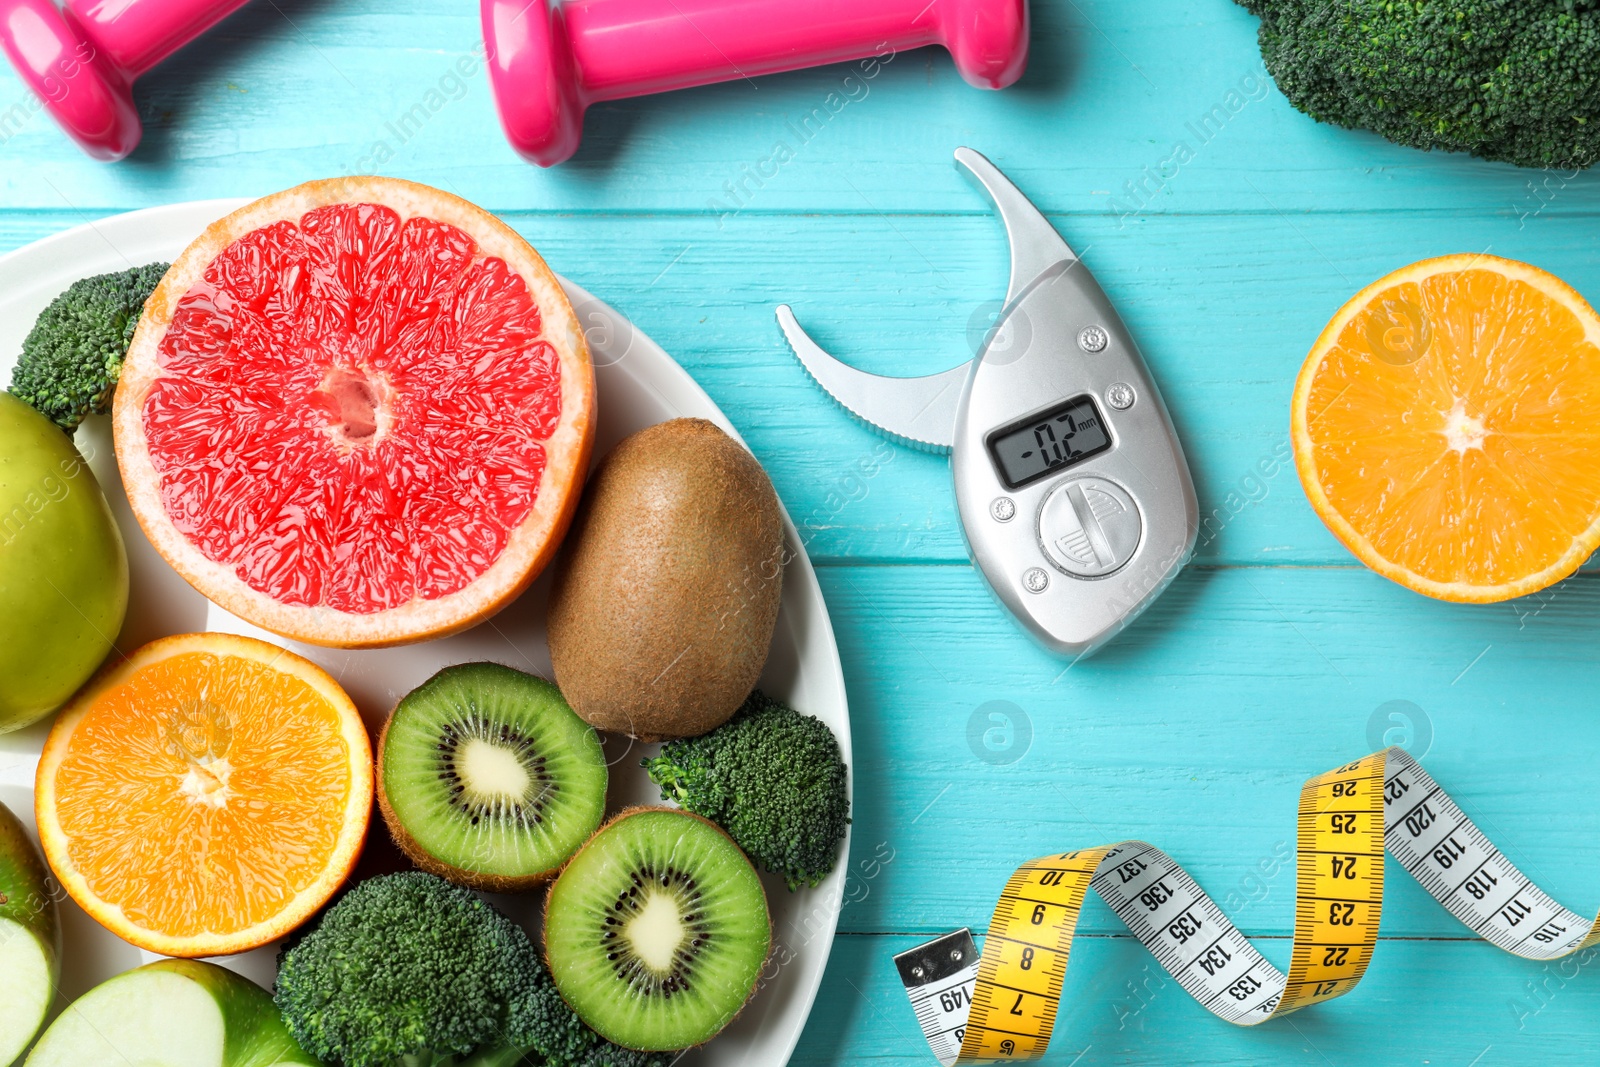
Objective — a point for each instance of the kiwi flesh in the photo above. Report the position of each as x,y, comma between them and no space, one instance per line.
488,779
657,931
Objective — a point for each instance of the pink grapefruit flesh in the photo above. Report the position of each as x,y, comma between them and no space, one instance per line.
357,413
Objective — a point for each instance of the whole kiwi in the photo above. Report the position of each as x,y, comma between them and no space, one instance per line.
665,601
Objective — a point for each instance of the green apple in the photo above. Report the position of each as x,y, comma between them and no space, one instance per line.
29,935
63,568
171,1013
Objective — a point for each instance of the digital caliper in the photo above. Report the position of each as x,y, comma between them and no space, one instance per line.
1075,500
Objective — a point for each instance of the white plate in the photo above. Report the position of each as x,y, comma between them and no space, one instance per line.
639,385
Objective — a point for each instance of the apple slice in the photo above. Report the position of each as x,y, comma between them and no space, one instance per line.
176,1013
28,939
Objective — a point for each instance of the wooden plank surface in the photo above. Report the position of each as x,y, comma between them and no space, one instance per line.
1274,657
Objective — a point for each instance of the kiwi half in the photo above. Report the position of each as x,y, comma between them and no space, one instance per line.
657,930
487,778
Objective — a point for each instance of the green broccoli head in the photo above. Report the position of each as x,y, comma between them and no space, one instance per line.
773,778
409,969
1510,80
404,965
72,357
542,1023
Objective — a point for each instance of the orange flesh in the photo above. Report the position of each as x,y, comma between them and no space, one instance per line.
204,793
1455,425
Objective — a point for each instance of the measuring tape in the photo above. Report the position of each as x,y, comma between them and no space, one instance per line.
1002,1005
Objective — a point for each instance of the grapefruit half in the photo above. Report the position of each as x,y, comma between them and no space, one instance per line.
357,413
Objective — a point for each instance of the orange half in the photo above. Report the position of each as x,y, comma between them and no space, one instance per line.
206,795
1446,427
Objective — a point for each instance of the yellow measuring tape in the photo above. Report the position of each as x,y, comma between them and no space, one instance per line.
1002,1006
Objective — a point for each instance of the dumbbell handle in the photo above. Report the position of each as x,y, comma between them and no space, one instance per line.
632,47
135,35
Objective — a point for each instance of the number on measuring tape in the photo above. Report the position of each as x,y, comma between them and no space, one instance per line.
1001,1005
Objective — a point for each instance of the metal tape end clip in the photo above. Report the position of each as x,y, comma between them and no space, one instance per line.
936,960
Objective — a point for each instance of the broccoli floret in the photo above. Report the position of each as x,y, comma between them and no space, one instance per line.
407,970
1510,80
72,357
773,779
404,965
543,1022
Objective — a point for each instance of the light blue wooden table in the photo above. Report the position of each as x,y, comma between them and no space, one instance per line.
1273,657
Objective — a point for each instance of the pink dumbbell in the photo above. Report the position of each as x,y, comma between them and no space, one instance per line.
82,59
549,60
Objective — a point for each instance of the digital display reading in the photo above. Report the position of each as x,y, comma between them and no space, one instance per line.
1050,442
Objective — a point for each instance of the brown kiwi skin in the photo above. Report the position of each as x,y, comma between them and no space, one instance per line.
771,930
484,883
666,597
